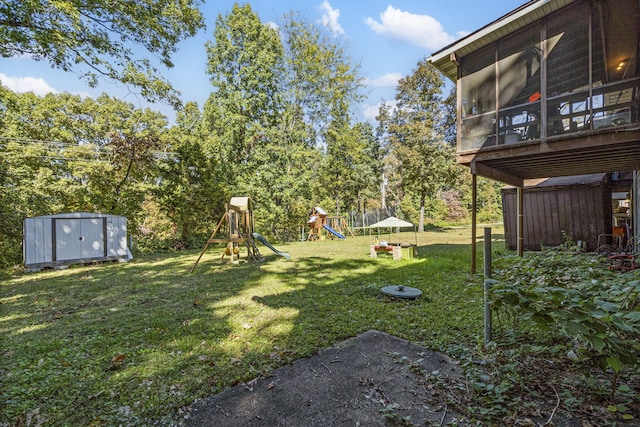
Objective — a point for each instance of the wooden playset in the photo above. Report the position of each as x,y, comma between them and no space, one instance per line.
317,221
237,226
339,224
321,225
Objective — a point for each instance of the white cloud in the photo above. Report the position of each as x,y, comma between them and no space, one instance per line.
387,80
419,30
36,85
330,18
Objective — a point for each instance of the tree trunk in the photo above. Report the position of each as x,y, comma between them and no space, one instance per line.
383,193
423,197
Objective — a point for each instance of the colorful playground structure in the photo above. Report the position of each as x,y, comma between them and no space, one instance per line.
237,229
322,225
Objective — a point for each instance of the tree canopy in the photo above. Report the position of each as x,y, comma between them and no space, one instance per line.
415,132
278,126
279,116
245,65
102,35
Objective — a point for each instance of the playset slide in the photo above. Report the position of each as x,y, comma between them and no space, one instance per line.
265,242
334,232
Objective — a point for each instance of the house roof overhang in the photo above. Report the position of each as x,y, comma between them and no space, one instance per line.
604,150
445,59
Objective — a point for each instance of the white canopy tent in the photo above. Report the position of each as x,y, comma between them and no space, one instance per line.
397,223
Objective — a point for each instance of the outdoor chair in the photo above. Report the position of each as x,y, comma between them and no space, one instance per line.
627,259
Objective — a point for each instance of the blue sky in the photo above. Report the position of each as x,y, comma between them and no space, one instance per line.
387,38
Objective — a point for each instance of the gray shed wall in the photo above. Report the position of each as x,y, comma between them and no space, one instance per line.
53,240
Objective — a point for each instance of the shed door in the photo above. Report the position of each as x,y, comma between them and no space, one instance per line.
79,238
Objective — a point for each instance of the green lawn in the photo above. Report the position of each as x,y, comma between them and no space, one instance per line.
131,343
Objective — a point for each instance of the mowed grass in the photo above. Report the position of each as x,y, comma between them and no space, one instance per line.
132,343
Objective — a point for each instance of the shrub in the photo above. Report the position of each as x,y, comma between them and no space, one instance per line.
575,297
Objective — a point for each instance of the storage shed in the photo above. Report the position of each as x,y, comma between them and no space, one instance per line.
74,238
576,206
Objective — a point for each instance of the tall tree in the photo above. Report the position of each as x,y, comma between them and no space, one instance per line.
102,36
190,184
351,171
368,174
339,164
322,81
390,192
322,85
272,103
284,170
245,65
426,160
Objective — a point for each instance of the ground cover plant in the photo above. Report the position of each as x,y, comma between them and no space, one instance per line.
563,313
131,344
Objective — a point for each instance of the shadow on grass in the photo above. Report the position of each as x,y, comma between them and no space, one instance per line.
89,340
132,343
336,308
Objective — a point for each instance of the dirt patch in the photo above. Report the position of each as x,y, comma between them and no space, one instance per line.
368,380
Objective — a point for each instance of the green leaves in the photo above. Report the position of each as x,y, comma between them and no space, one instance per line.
96,38
62,153
245,64
574,297
280,98
416,135
615,363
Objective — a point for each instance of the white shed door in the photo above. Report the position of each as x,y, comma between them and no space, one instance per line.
79,238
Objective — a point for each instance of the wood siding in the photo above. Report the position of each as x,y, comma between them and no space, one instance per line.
579,210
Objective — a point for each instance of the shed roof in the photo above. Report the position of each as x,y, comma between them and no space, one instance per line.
74,215
593,179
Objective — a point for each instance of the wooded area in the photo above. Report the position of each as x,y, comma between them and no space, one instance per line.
278,127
